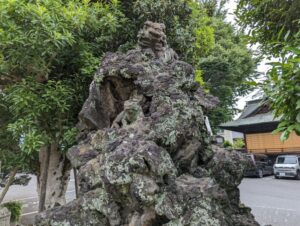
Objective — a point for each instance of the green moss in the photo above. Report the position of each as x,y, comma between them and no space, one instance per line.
102,199
117,173
100,140
201,215
167,207
166,166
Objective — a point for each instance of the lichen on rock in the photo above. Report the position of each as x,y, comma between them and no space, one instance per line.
144,155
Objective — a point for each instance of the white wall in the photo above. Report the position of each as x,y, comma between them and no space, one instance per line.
231,135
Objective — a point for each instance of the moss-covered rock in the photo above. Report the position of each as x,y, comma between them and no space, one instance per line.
143,154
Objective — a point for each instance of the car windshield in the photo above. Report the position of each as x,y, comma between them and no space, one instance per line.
287,160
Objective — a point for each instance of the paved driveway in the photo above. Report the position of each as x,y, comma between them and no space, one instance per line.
27,195
273,201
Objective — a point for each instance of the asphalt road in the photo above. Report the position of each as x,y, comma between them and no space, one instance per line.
274,202
28,197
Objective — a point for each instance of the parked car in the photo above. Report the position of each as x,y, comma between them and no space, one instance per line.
260,165
3,178
287,166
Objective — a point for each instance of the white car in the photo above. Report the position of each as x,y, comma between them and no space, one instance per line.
287,166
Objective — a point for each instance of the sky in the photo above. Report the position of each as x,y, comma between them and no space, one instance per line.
262,68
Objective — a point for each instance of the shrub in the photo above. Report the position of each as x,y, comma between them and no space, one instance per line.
227,144
15,208
239,143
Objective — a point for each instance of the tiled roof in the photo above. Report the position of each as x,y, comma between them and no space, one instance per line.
250,118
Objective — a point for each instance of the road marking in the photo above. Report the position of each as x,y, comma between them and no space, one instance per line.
275,208
30,213
34,197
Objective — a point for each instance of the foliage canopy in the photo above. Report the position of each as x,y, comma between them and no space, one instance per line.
272,23
227,70
275,25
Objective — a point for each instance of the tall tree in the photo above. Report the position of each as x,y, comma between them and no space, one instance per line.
12,159
275,25
229,67
44,121
271,23
49,49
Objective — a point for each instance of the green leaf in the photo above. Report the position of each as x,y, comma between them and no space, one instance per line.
279,129
298,117
293,49
251,83
287,35
297,128
298,104
283,124
291,128
285,135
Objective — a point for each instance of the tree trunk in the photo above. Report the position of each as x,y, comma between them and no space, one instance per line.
44,178
53,187
8,183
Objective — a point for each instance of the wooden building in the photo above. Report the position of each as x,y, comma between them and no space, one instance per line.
257,123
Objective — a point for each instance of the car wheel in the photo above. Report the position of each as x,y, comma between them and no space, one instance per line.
276,177
260,173
298,175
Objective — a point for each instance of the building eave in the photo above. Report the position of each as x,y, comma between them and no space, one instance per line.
252,128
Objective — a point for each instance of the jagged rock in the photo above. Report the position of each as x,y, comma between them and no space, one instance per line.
83,211
144,154
81,154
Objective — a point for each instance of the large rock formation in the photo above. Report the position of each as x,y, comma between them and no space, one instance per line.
144,155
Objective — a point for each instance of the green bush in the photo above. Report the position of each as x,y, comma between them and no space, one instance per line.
227,144
239,143
16,210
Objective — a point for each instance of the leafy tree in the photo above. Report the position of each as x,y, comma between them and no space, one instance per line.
275,25
52,34
50,49
12,159
227,70
271,23
48,123
214,8
283,90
